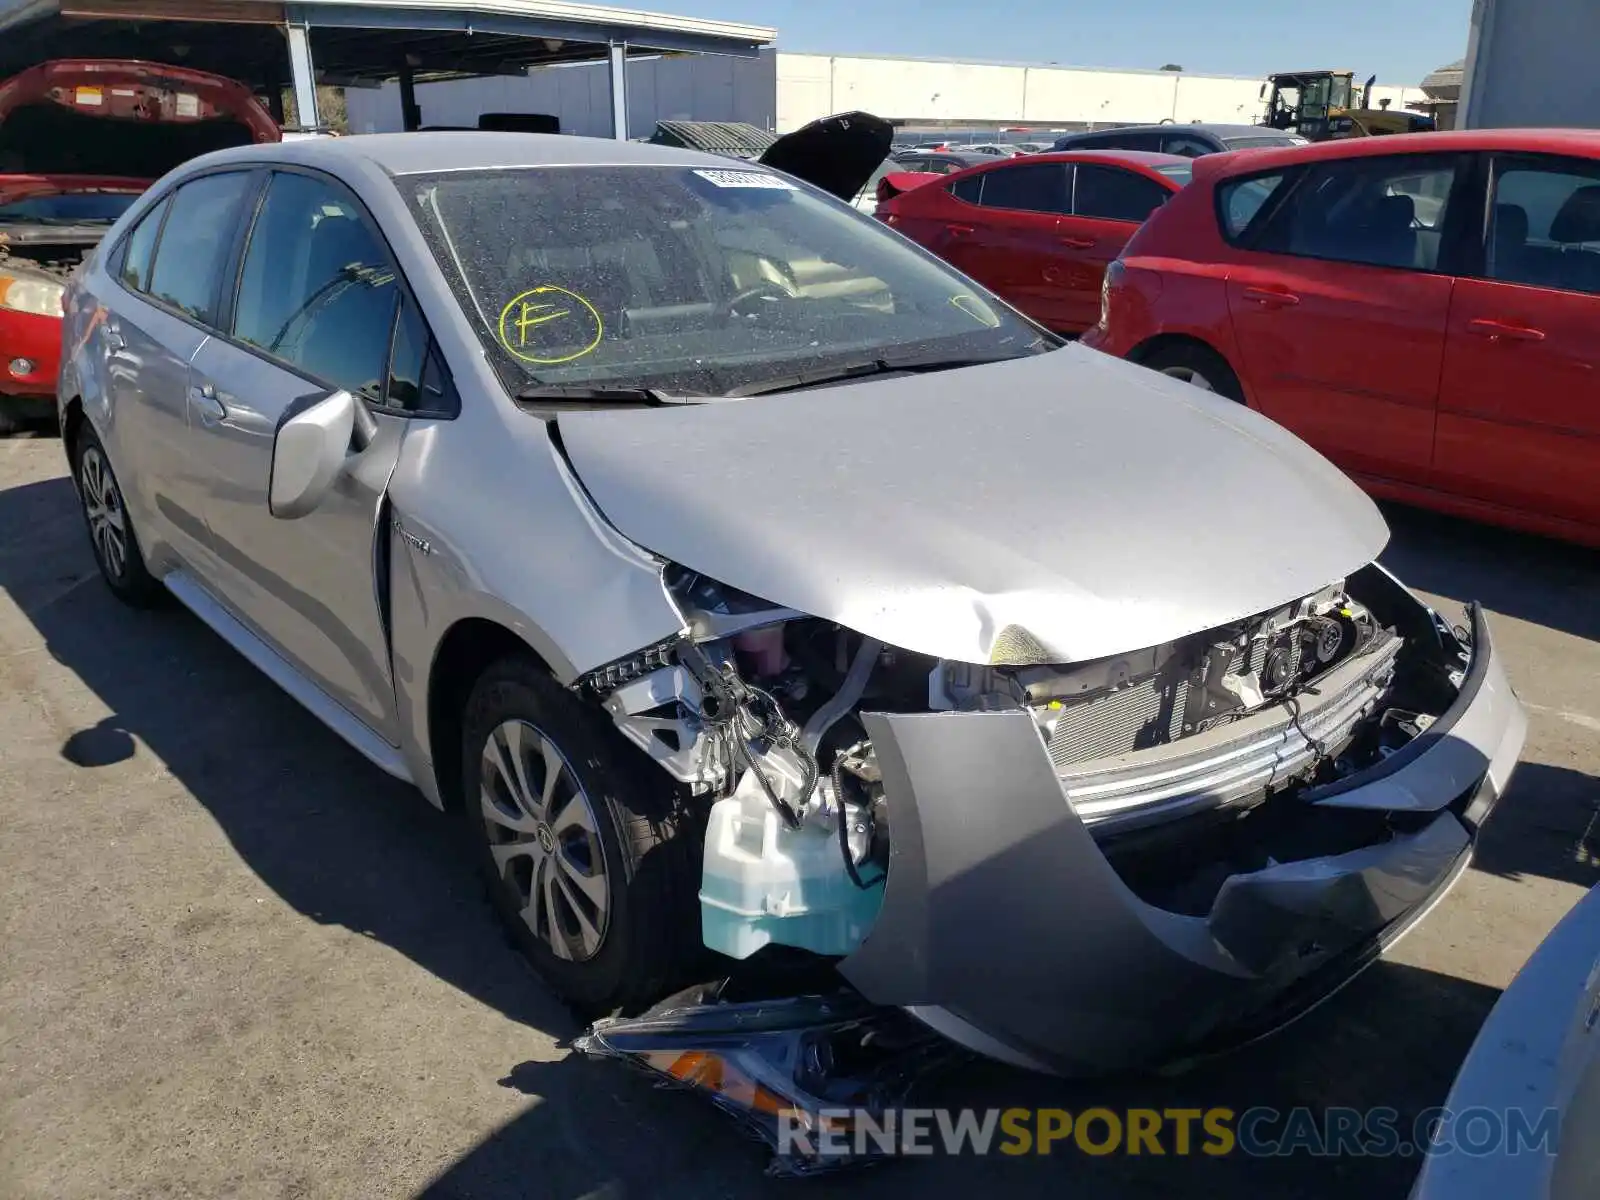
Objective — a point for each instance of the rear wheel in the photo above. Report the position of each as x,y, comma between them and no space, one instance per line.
111,534
590,863
1197,365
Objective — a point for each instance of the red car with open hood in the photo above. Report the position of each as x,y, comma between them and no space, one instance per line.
79,140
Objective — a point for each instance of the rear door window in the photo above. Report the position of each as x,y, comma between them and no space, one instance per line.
197,242
1386,212
1027,187
1113,194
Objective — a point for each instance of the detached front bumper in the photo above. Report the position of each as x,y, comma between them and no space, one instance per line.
1006,928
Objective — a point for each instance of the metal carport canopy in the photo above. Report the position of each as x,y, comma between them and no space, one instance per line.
356,42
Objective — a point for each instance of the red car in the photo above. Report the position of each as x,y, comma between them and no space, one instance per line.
1425,310
1040,230
79,140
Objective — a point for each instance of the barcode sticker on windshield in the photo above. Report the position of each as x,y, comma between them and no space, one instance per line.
745,179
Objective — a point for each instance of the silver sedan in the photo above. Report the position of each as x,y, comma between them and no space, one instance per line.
761,591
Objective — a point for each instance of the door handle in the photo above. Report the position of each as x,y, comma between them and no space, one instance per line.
1271,298
1077,243
1495,330
959,231
204,399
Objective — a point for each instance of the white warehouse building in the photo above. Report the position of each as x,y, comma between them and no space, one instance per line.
782,91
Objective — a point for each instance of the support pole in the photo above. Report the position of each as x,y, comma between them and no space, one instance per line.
305,80
410,114
619,91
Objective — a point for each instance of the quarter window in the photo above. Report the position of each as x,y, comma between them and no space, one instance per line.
1113,194
1386,212
1545,226
1242,199
1031,187
195,242
135,270
317,289
1185,144
969,188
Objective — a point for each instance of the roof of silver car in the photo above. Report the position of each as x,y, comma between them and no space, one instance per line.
416,153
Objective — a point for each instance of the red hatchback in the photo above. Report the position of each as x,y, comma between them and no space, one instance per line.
1039,231
1424,310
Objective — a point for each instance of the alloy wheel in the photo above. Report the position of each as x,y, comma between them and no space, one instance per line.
545,841
102,505
1190,376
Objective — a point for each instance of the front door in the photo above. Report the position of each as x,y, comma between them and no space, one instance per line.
316,308
1339,310
1519,402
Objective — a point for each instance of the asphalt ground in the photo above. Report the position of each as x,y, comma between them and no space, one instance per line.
239,961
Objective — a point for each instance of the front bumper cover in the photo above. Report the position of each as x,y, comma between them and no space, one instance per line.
1005,928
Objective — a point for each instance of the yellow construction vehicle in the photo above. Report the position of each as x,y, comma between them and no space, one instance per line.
1323,105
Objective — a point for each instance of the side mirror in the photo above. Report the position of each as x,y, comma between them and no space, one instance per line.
315,436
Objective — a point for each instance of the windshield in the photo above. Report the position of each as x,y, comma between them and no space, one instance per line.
77,208
703,280
1180,172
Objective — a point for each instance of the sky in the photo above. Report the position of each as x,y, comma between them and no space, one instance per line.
1209,37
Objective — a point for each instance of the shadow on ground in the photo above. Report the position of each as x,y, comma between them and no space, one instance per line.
332,835
1545,582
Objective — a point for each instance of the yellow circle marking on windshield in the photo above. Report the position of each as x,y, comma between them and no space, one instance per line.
542,324
975,309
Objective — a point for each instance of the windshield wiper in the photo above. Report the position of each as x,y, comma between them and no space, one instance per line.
582,393
876,366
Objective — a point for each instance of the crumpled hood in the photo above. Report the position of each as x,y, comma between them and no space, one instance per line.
1095,505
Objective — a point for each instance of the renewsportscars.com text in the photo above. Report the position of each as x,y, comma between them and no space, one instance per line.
1214,1132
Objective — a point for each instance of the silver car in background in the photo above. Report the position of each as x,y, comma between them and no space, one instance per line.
761,591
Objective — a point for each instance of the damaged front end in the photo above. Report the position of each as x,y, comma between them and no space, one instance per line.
1075,868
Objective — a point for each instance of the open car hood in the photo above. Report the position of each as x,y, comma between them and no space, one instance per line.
838,154
122,117
1066,500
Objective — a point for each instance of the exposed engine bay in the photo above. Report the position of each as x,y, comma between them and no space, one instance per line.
52,255
1196,772
758,713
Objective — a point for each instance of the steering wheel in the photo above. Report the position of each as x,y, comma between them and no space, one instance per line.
765,288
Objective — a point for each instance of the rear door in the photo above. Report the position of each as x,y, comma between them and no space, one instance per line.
319,304
1519,402
169,270
1008,238
1109,203
1339,305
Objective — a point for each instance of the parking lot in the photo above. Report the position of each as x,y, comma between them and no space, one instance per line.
239,961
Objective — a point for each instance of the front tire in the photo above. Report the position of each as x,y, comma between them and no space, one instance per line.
1197,365
591,865
111,533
